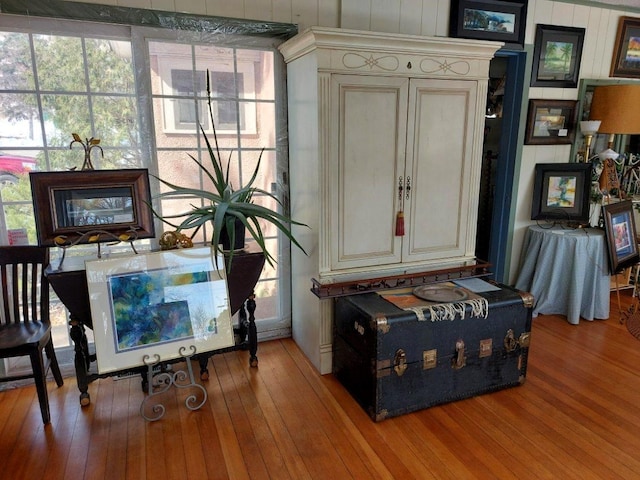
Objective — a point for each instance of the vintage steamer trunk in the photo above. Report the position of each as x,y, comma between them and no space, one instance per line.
393,363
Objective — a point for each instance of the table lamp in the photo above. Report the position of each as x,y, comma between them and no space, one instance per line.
618,109
589,128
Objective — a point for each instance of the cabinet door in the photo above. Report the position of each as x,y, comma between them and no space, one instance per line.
441,211
367,145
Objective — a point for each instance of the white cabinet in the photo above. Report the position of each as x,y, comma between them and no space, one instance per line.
380,123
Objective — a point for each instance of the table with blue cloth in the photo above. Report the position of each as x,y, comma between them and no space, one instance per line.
566,271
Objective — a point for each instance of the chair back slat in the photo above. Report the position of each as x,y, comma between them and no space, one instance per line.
25,289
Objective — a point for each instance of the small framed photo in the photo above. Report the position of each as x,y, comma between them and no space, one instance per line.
158,306
620,230
626,52
561,192
556,56
551,122
500,20
88,206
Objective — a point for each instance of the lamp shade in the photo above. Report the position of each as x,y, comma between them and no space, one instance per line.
589,127
618,108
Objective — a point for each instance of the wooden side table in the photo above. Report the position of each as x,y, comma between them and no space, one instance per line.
70,284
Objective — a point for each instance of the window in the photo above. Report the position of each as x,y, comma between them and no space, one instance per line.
233,87
46,94
80,78
183,116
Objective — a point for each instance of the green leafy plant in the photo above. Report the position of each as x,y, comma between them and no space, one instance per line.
224,205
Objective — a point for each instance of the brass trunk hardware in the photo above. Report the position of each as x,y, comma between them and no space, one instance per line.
380,324
460,360
510,342
527,299
486,346
525,338
400,362
520,362
429,359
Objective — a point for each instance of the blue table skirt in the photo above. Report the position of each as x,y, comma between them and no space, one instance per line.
567,271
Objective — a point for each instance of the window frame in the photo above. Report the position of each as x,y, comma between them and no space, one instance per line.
125,24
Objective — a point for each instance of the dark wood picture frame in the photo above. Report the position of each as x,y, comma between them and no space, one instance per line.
620,231
551,122
499,20
626,52
556,56
91,206
561,192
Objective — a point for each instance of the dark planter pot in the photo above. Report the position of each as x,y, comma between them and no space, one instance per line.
239,239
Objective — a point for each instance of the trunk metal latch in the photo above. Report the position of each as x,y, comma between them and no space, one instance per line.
459,360
400,362
510,342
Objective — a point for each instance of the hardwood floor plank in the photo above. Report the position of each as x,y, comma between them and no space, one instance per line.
116,459
251,454
136,465
399,461
314,440
498,436
375,467
273,418
78,456
265,445
575,417
63,420
230,446
99,432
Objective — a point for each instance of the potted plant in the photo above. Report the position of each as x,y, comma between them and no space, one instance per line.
230,211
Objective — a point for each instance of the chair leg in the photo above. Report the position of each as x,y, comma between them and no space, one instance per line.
37,364
53,363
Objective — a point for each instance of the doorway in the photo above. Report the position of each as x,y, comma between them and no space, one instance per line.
502,119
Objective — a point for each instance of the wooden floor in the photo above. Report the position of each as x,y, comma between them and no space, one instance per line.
576,417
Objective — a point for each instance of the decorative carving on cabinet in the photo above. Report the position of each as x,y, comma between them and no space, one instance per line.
430,65
387,63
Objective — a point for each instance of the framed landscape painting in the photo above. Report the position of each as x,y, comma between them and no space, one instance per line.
556,56
626,53
551,122
499,20
157,305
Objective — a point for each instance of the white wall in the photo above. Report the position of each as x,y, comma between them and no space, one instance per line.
431,17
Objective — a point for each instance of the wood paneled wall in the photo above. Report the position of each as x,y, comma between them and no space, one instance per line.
431,17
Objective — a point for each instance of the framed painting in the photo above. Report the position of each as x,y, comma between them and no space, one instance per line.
551,122
556,56
157,306
620,231
86,206
561,192
626,52
499,20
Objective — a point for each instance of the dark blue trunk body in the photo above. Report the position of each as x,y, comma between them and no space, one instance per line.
373,339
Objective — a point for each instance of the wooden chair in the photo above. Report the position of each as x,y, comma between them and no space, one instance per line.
25,327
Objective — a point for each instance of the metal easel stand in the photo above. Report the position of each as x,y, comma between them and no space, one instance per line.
161,382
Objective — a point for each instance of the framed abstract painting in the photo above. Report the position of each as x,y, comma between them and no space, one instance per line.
158,305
